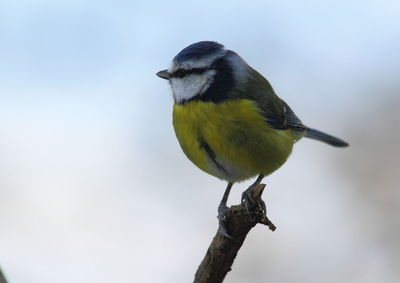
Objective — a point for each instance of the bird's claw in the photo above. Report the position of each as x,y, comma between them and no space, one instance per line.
249,202
222,220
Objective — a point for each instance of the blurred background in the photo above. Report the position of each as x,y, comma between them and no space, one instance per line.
95,188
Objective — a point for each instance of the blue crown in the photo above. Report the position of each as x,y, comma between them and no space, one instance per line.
198,50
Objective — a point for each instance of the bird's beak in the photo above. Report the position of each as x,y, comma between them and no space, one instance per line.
163,74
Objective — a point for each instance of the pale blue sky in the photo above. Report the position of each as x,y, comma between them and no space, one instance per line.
79,43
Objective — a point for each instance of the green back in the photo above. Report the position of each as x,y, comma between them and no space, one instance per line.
277,113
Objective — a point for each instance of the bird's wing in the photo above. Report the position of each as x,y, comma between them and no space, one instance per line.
277,113
283,118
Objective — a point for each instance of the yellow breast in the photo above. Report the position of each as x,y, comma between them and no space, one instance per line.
230,140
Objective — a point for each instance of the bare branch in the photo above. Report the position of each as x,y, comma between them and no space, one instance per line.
222,250
2,278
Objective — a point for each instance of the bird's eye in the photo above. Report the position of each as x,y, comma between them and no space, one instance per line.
180,73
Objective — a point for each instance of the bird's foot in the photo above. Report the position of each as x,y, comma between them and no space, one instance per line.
222,220
251,198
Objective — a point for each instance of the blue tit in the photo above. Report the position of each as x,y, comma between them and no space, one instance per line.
228,119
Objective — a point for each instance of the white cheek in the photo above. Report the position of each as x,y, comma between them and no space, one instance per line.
191,85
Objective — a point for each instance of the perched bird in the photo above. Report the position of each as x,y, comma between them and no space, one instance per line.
228,119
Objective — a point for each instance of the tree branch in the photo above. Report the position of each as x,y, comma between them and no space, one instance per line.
222,251
2,278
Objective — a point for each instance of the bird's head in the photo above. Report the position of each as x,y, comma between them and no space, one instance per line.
206,71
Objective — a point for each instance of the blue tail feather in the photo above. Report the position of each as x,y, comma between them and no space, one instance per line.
318,135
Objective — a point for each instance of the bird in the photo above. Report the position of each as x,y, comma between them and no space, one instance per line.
229,121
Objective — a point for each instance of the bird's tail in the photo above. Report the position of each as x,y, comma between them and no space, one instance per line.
320,136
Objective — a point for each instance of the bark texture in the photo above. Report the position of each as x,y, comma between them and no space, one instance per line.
222,251
2,278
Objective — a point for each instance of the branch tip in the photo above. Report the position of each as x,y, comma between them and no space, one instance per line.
258,191
223,250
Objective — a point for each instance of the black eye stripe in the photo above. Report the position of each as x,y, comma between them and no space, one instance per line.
180,73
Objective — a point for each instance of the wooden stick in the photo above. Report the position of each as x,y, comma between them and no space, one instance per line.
222,251
2,278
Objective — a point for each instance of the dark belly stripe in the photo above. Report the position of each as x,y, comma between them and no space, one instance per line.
211,155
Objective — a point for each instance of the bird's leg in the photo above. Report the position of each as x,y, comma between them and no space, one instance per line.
247,195
222,209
